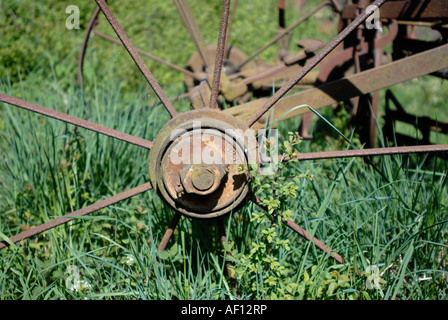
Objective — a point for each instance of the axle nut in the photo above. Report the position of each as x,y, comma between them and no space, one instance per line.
201,179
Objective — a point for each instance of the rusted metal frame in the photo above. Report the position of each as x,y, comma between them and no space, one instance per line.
75,121
284,43
187,16
406,10
325,155
423,123
284,33
352,86
78,213
148,55
344,55
319,244
136,57
169,232
310,65
377,56
229,26
219,54
280,73
305,234
90,26
268,73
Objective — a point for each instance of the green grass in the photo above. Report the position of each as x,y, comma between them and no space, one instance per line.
394,217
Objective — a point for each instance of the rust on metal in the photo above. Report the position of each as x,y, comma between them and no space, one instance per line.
187,16
90,26
195,163
79,213
75,121
136,57
310,65
370,152
352,86
169,232
201,179
150,56
219,54
407,10
284,33
305,234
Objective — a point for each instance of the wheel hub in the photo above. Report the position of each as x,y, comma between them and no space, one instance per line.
196,160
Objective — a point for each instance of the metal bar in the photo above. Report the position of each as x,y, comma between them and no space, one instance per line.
229,26
284,33
219,54
79,213
75,121
370,152
190,22
355,85
414,10
319,244
309,66
82,54
304,234
150,56
169,232
136,57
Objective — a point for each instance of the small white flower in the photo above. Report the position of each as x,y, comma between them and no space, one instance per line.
374,278
130,261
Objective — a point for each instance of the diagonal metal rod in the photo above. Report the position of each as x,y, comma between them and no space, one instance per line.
150,56
369,152
136,57
169,232
220,54
187,16
79,213
282,34
82,54
305,234
75,121
229,26
315,61
319,244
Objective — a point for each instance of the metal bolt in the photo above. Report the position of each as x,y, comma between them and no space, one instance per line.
201,179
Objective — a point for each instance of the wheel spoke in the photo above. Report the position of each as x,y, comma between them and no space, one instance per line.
79,213
84,44
304,234
283,34
169,232
319,244
150,56
190,22
75,121
229,26
370,152
315,61
136,57
220,54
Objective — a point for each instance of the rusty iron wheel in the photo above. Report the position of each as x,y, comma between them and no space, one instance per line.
213,190
212,185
